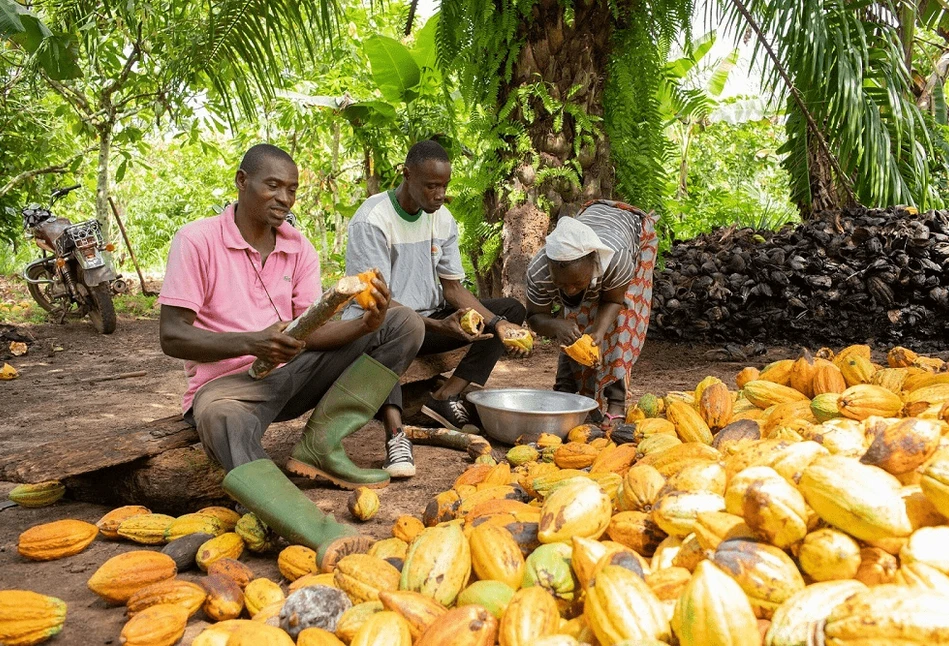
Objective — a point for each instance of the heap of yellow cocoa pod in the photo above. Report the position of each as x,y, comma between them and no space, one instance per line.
806,505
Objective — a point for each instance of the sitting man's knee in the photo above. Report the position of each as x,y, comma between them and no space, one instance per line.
408,321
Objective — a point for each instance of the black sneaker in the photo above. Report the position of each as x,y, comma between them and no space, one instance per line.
399,460
451,413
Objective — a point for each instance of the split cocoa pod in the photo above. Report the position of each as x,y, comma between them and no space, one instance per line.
520,338
583,351
364,298
472,322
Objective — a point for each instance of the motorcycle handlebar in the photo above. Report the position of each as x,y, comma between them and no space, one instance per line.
62,191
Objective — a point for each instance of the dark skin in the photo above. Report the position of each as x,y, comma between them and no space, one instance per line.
572,279
423,187
264,199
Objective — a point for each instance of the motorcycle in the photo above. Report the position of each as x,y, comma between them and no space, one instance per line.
73,278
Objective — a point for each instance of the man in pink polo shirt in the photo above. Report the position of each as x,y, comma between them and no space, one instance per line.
232,284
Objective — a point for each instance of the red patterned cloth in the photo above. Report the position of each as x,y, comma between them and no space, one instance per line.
624,341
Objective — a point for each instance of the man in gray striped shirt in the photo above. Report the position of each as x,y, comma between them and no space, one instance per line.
412,238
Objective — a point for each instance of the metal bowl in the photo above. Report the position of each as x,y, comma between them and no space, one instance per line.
508,413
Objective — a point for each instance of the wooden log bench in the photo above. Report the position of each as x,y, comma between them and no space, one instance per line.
161,464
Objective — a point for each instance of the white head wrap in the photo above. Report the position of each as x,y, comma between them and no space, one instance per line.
572,239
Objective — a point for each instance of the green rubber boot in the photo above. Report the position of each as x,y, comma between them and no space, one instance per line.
349,404
263,488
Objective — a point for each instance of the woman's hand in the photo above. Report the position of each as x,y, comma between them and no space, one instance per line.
566,331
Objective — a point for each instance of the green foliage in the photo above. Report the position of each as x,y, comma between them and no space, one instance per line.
848,62
735,177
638,146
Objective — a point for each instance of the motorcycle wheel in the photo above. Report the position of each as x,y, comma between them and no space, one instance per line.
101,310
42,293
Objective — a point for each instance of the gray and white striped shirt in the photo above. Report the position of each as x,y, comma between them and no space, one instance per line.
617,228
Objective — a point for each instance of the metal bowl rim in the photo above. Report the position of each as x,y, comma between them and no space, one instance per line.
473,397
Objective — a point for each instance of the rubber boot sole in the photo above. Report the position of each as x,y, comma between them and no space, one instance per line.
309,471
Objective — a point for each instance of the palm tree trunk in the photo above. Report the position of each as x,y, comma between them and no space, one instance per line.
563,56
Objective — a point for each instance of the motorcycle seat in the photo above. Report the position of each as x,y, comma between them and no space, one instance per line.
48,232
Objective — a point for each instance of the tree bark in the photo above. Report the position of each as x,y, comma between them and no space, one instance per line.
102,177
564,57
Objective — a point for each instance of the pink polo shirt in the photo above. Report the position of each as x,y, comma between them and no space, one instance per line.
210,271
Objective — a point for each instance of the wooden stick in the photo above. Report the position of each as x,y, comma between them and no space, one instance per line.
128,245
448,438
314,317
124,375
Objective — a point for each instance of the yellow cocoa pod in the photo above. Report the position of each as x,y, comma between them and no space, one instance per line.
472,322
364,298
669,582
829,555
578,508
675,513
257,633
903,446
795,618
775,510
583,351
225,598
123,575
876,567
408,527
363,503
778,372
767,575
574,455
147,529
856,370
159,624
900,357
889,614
29,617
713,527
532,613
827,379
636,530
40,494
470,625
196,523
714,609
863,400
746,375
496,555
418,610
383,628
763,393
690,426
715,406
260,593
520,338
349,622
362,577
226,546
620,605
296,561
438,563
861,500
179,592
640,488
255,534
56,540
109,524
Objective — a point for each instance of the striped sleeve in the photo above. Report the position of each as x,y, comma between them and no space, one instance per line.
540,287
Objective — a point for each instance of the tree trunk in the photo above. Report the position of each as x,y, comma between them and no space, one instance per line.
562,56
102,178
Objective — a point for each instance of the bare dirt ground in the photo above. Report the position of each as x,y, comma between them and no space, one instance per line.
50,400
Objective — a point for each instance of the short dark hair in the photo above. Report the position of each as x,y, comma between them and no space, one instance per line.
256,154
424,151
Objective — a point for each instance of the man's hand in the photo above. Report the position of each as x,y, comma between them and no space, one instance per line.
502,328
565,331
272,345
375,314
451,326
